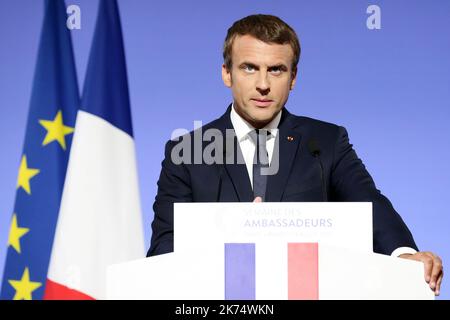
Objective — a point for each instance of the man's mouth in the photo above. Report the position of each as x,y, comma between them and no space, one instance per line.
262,102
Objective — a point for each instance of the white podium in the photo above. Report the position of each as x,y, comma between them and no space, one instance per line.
272,251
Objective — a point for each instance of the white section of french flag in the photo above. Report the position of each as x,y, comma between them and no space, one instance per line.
100,220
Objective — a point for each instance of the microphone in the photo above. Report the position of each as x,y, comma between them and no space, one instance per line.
314,149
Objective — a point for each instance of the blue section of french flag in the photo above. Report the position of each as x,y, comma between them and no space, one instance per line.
105,92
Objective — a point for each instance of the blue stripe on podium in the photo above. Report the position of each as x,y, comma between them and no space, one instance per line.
239,271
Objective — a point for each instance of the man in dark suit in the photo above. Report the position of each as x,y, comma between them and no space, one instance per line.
275,155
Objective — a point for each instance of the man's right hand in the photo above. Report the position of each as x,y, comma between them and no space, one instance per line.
258,199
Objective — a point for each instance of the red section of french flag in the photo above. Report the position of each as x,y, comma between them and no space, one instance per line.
303,271
56,291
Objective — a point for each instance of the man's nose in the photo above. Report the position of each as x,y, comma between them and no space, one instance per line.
262,83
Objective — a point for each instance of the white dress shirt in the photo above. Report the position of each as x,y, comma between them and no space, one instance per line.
242,129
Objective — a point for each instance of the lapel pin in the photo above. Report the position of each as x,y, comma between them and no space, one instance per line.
290,138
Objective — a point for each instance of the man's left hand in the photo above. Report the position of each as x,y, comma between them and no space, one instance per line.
434,272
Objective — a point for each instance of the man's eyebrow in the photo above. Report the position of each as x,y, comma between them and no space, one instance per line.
249,64
281,66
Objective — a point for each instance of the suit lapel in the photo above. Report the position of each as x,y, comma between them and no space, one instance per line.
234,164
288,141
238,174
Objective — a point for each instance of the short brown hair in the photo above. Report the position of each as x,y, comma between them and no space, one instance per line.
267,28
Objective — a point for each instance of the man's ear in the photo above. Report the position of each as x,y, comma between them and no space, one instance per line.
226,76
294,79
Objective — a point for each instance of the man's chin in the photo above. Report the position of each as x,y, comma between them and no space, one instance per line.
263,118
264,114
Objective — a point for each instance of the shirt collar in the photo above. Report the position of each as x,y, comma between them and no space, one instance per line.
243,128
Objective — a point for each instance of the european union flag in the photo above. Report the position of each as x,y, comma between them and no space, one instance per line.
51,121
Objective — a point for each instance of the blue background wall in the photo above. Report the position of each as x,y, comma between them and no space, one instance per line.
390,88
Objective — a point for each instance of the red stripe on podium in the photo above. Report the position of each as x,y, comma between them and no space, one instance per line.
303,271
56,291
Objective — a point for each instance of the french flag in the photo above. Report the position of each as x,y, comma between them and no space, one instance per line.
245,281
100,220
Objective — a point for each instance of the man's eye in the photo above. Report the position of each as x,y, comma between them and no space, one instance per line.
249,69
275,71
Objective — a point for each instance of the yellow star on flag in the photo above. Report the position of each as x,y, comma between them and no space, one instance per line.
56,130
24,287
25,174
15,233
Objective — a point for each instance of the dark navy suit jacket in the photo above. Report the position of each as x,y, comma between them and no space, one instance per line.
298,179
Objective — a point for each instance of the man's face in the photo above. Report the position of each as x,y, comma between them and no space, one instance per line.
260,78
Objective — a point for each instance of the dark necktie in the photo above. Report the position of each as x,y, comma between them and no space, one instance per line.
260,161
